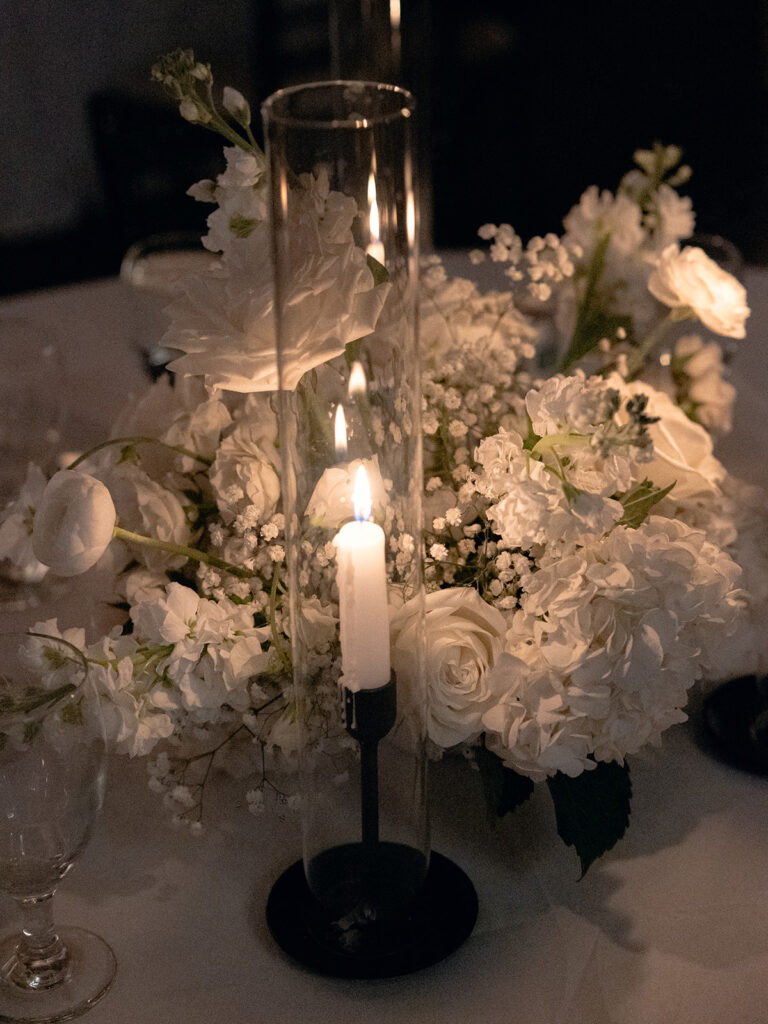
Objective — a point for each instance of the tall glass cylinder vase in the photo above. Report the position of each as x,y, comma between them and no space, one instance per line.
345,260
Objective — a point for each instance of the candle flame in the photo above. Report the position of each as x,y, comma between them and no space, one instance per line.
373,206
374,247
340,432
361,496
357,380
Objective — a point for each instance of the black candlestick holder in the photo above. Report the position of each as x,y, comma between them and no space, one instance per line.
381,914
735,720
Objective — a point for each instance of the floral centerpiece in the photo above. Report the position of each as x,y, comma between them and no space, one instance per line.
588,559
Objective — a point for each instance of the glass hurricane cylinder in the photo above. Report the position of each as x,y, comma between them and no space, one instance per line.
346,272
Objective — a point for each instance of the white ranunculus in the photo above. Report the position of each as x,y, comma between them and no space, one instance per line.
74,522
689,278
463,639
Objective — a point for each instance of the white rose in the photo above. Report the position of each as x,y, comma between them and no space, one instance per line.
463,639
148,508
682,449
74,522
331,502
224,323
243,475
688,277
316,624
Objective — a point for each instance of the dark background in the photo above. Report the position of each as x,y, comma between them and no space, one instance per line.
522,106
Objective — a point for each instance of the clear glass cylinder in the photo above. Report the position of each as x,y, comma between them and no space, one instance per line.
344,224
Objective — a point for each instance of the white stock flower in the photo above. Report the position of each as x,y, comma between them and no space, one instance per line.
133,720
463,639
601,213
241,658
241,194
207,663
711,394
16,522
675,216
182,616
688,278
74,522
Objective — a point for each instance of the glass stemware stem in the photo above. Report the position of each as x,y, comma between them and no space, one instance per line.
41,959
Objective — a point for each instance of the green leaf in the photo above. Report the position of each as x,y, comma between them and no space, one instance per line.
592,810
594,322
352,351
532,438
128,453
638,502
31,729
379,271
240,226
504,789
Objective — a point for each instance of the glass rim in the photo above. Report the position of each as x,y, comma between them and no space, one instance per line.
64,694
406,109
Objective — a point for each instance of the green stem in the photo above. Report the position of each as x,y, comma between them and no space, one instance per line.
651,340
282,651
583,341
139,440
183,551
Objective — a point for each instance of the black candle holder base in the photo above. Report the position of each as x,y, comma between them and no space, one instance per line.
438,920
735,720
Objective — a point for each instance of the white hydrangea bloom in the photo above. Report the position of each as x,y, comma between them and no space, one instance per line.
606,644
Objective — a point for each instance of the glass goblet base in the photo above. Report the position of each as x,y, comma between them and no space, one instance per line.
90,973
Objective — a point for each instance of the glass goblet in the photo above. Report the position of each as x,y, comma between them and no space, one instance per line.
53,758
33,409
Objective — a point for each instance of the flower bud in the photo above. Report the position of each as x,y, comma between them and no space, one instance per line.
74,522
194,112
236,105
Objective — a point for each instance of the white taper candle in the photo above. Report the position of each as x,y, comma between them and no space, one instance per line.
362,581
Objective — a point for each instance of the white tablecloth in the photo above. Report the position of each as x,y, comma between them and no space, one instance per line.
671,927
